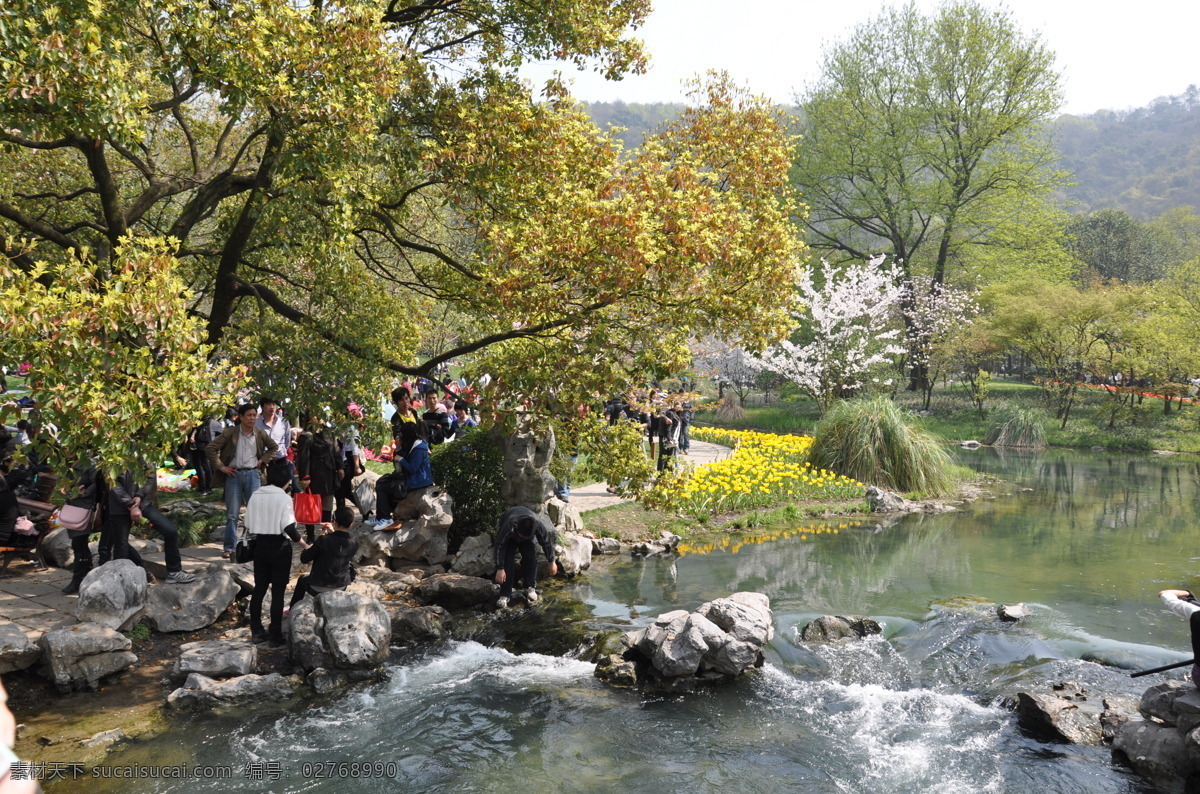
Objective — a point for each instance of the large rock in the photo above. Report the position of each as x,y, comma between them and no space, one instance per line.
357,630
606,546
216,658
527,479
79,657
201,692
455,591
188,607
574,553
422,540
564,516
881,501
415,625
1155,751
393,583
56,548
831,628
306,640
17,651
1066,715
680,651
112,595
1012,613
475,557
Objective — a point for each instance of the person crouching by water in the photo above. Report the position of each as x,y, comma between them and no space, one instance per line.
519,527
1184,604
269,515
330,556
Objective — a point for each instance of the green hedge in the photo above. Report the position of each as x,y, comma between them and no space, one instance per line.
472,471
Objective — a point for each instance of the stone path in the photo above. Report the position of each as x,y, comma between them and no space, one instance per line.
32,598
595,497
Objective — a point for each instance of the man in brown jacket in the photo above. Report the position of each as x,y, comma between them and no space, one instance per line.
238,456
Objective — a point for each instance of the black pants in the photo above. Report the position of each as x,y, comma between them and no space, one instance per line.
528,551
83,552
304,587
272,567
199,461
666,458
117,545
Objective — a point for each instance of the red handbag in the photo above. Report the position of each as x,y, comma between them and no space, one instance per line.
307,506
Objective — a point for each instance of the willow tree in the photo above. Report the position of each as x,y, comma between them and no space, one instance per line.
335,178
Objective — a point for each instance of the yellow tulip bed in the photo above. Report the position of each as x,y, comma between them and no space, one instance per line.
765,470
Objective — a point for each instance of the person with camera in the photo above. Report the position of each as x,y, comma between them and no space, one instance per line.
1185,605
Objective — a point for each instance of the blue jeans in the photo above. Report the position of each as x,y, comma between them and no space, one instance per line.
238,490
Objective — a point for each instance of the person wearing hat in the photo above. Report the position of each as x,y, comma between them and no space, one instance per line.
519,528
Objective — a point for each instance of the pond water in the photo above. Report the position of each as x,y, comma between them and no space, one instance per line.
1086,541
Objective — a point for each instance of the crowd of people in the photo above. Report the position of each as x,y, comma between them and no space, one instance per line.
665,417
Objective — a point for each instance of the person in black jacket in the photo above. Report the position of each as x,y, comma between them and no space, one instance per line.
519,528
331,557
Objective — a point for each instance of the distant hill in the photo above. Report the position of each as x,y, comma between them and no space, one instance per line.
637,118
1144,161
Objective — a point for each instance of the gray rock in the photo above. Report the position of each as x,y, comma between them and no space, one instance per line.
714,636
306,640
882,501
324,681
104,738
187,607
1155,751
392,583
56,548
1013,613
243,576
414,625
475,557
455,591
357,630
1064,716
831,628
527,480
202,692
113,595
564,516
419,541
79,657
17,651
1158,702
733,658
216,658
742,622
367,589
970,444
1117,712
574,553
606,546
615,670
680,653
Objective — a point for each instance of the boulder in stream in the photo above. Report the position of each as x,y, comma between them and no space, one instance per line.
831,628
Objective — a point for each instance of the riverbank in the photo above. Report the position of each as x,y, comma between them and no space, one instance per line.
1143,427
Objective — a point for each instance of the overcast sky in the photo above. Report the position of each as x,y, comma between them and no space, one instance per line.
1112,55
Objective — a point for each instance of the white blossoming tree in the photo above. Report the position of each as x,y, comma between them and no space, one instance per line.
727,364
847,331
936,316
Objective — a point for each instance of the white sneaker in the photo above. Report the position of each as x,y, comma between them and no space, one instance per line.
531,595
180,577
502,602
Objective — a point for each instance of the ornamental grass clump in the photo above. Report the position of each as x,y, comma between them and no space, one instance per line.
1017,427
872,442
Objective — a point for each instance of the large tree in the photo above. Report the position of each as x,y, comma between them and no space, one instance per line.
338,178
924,138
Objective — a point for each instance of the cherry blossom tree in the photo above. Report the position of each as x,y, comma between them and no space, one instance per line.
934,315
847,331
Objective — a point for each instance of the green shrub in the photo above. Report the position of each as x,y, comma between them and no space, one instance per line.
1016,427
472,472
873,442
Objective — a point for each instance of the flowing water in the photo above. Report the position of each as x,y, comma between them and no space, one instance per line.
1085,541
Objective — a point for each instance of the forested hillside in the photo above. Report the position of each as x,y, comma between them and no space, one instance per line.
1144,161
